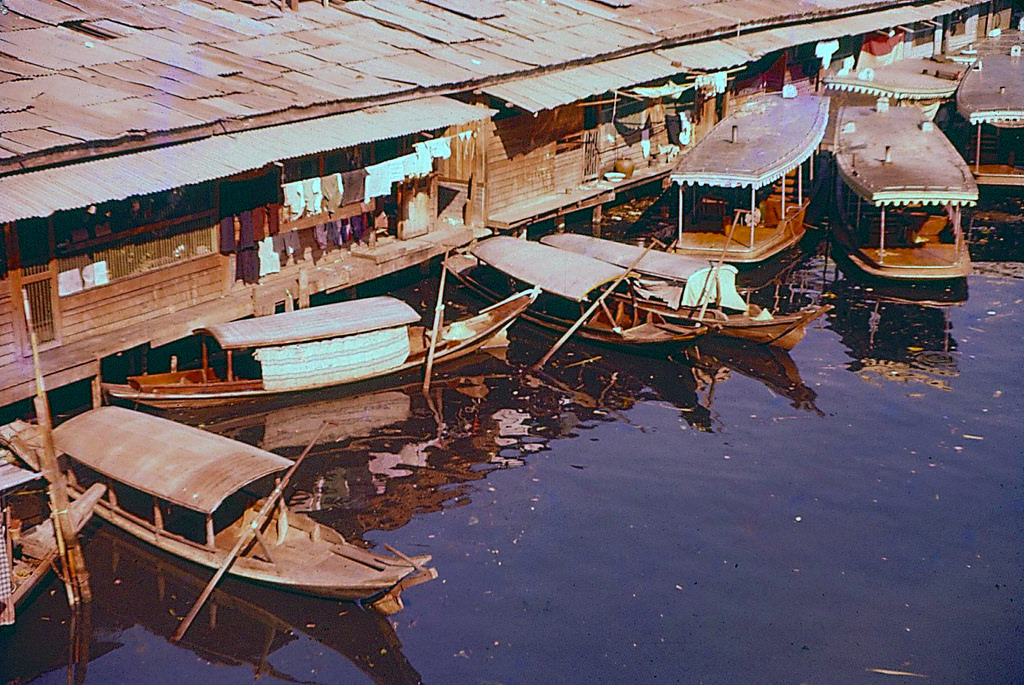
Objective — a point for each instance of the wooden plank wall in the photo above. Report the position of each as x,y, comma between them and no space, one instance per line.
620,147
132,301
521,155
8,343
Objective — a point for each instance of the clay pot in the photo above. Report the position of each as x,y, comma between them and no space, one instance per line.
624,166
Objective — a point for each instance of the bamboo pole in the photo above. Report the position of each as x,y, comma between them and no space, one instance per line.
593,307
246,537
76,577
715,269
438,317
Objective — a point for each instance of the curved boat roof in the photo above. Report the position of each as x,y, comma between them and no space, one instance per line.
562,273
315,323
992,91
774,135
181,464
925,168
654,263
909,79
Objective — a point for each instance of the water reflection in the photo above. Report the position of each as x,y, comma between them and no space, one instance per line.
894,341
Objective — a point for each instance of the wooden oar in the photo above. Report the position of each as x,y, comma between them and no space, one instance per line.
593,307
246,537
715,269
438,317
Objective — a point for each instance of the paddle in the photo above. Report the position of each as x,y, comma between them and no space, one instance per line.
593,307
246,536
438,316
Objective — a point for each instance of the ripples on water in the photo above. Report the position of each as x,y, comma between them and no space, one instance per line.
728,514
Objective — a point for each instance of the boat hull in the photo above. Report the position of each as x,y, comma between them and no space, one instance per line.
169,395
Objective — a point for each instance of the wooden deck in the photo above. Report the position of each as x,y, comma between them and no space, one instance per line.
998,174
78,360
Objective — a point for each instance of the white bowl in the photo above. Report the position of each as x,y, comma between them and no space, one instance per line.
614,176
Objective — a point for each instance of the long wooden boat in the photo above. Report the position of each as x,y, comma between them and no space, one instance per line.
899,193
192,494
307,349
991,100
568,281
677,288
27,556
741,187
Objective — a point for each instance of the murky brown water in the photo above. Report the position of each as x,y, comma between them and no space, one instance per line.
726,515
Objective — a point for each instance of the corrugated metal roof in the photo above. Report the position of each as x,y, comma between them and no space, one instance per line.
774,135
548,91
316,323
562,273
177,463
12,476
924,166
40,193
710,56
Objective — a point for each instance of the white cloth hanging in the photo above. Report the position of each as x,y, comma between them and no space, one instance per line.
270,261
824,51
685,129
294,203
313,194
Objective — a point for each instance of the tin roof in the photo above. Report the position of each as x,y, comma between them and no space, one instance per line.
120,72
655,263
12,476
992,91
561,273
909,79
316,323
925,168
773,135
183,465
40,193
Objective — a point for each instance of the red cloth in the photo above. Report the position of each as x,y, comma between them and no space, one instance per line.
879,44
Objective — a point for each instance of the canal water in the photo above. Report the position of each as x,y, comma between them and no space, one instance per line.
851,511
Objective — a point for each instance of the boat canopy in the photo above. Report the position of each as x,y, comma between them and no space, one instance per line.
908,79
12,476
177,463
655,263
315,323
562,273
924,167
773,135
979,98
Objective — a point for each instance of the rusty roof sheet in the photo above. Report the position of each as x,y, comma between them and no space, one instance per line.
992,91
315,323
924,166
12,476
774,135
177,463
40,193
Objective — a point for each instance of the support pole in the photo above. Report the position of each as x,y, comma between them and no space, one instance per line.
753,224
881,240
679,238
438,318
800,184
593,307
977,150
76,580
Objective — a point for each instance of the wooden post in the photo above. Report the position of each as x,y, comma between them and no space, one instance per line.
97,387
595,222
679,237
881,240
800,183
76,580
303,289
438,317
977,150
593,307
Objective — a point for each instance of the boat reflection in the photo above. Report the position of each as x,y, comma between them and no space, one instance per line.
714,360
894,340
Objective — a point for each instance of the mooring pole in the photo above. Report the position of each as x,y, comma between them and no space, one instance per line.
76,578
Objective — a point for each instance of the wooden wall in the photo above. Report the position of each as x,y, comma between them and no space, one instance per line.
132,301
9,352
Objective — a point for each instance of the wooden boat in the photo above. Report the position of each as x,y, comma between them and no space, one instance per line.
991,100
35,547
569,280
677,287
899,192
741,187
334,344
192,494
